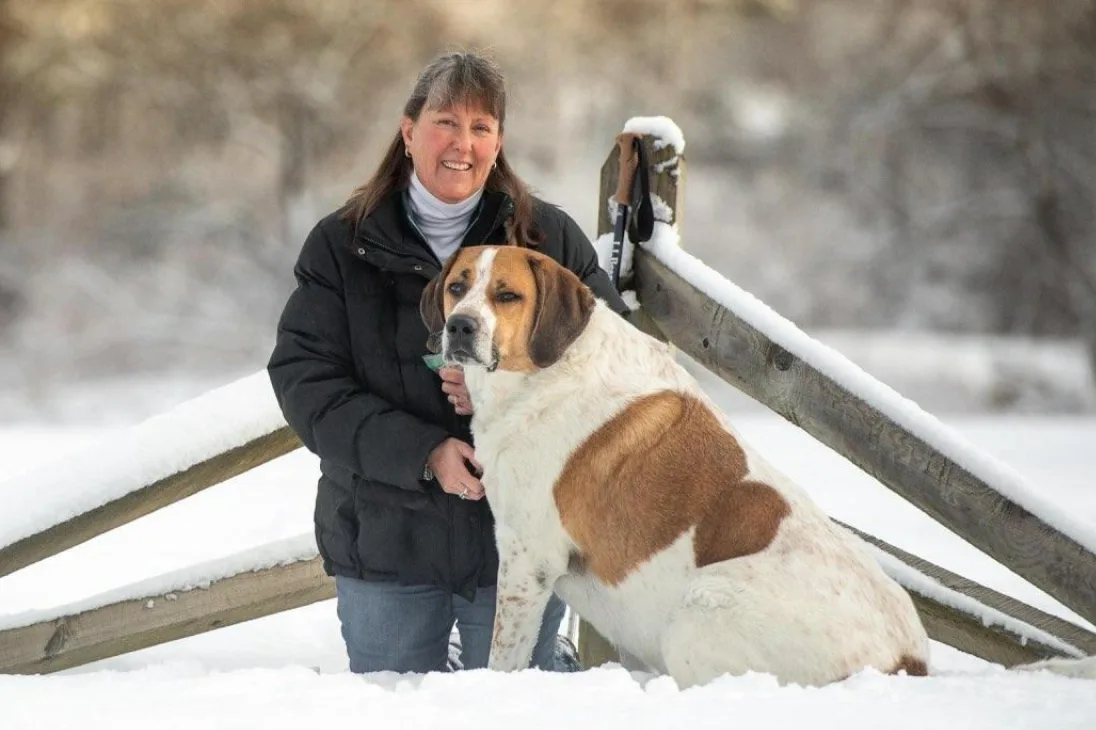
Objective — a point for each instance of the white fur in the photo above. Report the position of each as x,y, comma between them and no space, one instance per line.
475,303
812,608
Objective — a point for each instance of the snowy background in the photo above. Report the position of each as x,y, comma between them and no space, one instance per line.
913,177
909,181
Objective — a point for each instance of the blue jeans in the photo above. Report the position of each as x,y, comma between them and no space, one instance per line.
389,627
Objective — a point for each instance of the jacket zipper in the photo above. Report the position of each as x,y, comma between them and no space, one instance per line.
454,425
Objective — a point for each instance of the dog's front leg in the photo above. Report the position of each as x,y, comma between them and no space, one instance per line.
524,587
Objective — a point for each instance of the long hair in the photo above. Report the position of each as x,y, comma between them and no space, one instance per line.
448,80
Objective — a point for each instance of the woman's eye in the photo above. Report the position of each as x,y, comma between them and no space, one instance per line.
507,296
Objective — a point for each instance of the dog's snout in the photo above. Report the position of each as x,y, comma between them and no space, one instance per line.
461,329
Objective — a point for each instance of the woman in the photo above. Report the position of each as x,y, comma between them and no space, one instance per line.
400,517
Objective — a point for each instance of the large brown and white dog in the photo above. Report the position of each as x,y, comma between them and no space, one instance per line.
615,482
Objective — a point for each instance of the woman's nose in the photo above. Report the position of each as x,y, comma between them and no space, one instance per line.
462,139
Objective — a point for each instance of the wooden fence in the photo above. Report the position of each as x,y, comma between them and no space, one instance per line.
675,309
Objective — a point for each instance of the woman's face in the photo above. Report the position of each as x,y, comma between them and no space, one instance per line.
452,149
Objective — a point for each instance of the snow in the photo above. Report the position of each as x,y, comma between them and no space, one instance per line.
289,670
924,585
184,697
168,586
188,434
663,129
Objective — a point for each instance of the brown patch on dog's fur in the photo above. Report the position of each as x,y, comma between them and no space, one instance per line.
514,320
912,667
563,308
663,465
754,509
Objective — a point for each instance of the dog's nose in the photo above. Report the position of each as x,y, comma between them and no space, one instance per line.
461,330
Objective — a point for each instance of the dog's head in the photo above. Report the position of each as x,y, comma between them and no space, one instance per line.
505,307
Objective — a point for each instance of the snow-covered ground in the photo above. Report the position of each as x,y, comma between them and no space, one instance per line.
289,670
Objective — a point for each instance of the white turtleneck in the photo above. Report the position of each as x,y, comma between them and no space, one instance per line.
442,224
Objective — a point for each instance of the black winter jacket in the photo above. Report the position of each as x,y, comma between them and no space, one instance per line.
348,372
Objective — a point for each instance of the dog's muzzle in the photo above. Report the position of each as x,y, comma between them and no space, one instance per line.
462,342
460,336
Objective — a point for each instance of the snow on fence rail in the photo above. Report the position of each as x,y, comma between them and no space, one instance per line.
169,457
236,428
276,577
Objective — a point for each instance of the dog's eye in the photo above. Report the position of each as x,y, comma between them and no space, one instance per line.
457,289
507,296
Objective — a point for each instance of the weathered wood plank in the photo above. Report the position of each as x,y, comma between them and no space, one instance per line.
593,648
127,626
141,502
903,461
967,633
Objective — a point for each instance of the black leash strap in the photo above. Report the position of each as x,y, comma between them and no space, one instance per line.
634,214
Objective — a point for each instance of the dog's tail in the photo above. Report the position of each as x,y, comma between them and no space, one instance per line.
1078,668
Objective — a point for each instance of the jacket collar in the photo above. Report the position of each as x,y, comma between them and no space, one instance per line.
387,238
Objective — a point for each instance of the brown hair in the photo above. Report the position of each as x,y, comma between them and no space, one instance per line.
453,78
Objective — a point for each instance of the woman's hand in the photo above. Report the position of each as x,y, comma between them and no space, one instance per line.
448,462
453,385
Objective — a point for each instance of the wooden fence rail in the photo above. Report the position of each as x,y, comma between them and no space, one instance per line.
79,636
119,628
900,459
160,494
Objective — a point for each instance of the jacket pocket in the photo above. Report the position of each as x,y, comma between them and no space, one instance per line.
368,491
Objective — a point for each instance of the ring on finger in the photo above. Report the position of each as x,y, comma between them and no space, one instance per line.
464,494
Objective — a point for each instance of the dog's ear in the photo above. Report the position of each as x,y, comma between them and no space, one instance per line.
432,306
563,307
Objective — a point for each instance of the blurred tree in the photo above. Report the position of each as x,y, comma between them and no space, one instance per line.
8,37
163,158
966,126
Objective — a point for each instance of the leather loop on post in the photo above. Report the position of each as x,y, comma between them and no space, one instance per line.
628,163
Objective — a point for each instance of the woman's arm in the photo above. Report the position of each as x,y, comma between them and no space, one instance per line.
312,372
